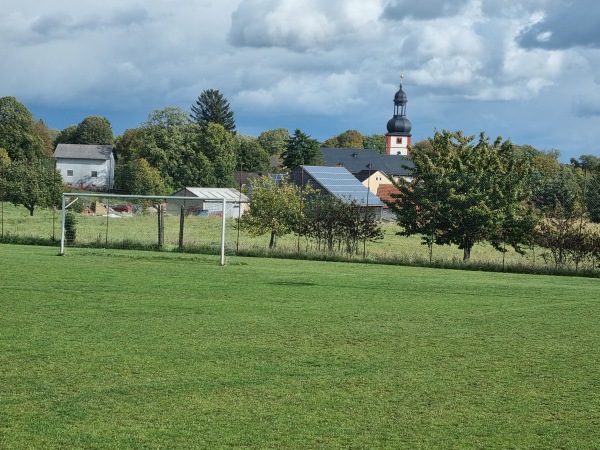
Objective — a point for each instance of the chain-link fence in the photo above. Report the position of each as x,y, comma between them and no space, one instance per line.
452,220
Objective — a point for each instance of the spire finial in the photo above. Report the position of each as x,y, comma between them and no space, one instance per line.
401,78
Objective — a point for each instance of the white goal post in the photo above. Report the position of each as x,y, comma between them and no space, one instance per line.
217,203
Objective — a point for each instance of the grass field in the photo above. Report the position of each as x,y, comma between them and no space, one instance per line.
206,232
123,349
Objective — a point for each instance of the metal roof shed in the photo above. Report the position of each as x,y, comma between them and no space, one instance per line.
209,201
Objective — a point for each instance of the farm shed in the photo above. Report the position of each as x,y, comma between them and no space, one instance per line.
208,201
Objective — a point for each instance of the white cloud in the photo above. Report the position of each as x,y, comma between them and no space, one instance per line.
301,25
331,65
314,94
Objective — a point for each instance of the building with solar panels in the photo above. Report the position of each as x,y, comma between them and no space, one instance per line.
340,183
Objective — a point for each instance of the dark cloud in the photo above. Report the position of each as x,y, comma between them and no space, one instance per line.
48,25
587,107
129,16
423,9
56,24
512,8
570,24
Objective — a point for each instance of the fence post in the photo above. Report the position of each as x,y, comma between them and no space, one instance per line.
62,227
181,225
161,227
223,233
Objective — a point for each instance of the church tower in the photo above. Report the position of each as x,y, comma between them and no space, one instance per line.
398,135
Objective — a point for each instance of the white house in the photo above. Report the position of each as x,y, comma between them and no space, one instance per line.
86,166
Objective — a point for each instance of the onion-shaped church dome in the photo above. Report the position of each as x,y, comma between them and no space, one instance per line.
399,124
400,97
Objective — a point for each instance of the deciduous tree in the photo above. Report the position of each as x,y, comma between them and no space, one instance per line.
33,184
275,208
464,192
218,145
138,177
92,130
43,132
274,141
347,139
170,116
375,142
251,157
17,131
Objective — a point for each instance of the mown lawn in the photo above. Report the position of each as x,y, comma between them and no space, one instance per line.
123,349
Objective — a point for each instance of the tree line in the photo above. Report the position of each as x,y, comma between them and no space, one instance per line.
170,150
464,190
467,190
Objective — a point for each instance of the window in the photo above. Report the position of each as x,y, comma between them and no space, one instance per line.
398,140
69,173
94,173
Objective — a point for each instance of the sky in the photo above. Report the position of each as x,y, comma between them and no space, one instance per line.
528,70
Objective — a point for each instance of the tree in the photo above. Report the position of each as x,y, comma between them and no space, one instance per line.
347,139
375,142
558,188
17,131
67,136
33,184
4,158
4,163
589,165
171,116
333,223
301,150
274,141
251,157
465,192
43,132
218,145
592,197
212,107
138,177
274,208
174,151
92,130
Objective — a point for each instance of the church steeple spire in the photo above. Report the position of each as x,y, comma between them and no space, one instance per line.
398,135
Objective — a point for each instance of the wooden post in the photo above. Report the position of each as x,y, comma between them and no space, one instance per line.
161,226
181,225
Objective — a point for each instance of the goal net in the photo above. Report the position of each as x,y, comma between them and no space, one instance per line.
178,223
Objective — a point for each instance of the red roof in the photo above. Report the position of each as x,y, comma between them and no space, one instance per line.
385,191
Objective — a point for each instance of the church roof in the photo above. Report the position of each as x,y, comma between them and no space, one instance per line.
357,160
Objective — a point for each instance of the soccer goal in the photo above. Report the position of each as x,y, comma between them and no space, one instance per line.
191,222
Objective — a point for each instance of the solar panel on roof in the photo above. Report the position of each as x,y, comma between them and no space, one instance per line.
343,185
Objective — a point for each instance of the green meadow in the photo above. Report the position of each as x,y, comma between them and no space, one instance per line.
105,349
204,234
